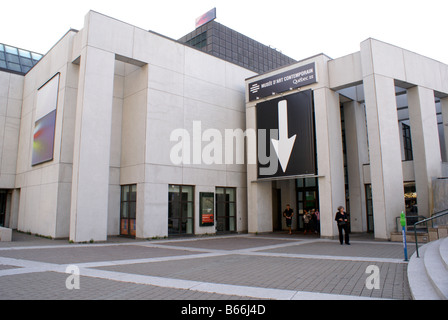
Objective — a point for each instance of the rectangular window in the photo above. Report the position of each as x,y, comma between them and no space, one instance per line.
14,67
407,142
180,209
199,41
225,209
369,207
24,53
307,198
3,194
207,209
128,210
11,50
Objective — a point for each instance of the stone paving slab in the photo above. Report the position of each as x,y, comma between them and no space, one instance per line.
356,249
229,243
51,286
220,267
313,275
81,254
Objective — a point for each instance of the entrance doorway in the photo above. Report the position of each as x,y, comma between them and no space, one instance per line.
128,210
180,210
307,198
3,194
277,210
225,209
369,208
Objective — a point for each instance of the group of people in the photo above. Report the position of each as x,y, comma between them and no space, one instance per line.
311,221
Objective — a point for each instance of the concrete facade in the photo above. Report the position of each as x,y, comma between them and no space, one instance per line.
378,88
123,91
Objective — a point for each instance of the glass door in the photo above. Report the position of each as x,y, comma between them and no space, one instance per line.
3,194
180,210
225,209
307,198
369,207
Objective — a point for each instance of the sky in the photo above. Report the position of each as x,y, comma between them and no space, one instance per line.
297,28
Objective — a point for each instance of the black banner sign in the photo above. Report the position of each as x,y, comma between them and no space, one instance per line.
286,138
291,79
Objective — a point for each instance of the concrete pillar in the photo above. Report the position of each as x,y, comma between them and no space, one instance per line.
425,145
259,194
385,152
444,106
260,207
14,214
330,162
91,156
357,156
152,210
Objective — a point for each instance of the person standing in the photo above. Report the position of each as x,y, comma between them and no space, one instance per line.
317,214
342,221
288,214
306,221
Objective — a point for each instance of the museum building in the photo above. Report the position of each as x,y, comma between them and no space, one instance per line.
115,131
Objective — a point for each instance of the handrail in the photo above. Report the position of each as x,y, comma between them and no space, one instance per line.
409,222
435,216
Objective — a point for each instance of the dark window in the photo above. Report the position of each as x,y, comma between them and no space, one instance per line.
307,198
12,58
225,209
180,209
407,142
199,41
14,67
3,194
369,207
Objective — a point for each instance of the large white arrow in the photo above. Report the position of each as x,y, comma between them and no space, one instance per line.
283,146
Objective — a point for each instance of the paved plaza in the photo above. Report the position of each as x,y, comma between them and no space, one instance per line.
230,267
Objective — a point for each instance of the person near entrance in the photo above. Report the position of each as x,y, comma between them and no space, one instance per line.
315,217
307,221
342,221
288,213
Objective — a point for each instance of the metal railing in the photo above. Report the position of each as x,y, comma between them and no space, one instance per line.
410,220
434,217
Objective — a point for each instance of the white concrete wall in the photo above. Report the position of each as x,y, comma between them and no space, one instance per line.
444,109
330,162
357,156
164,86
123,90
11,92
425,145
45,188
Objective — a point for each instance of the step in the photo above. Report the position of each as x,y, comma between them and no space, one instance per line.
422,237
435,269
419,283
5,234
444,251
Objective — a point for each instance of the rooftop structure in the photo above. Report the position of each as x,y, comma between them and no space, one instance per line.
232,46
17,60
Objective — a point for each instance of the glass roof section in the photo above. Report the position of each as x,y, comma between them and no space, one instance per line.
17,60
